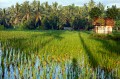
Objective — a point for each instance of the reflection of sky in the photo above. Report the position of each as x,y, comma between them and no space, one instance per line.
8,3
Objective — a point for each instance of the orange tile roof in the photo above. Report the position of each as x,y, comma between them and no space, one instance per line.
103,22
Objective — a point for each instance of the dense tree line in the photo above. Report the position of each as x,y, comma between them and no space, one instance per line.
38,15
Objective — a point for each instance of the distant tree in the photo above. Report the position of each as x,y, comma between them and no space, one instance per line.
54,20
80,23
102,8
30,24
118,17
91,4
46,23
117,24
38,15
85,11
17,14
112,12
55,6
67,24
52,16
11,14
26,11
3,17
95,12
34,5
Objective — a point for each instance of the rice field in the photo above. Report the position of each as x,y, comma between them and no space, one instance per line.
58,55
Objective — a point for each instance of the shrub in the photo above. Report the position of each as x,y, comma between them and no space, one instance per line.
115,37
1,27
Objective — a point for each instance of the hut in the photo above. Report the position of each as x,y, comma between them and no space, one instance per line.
103,25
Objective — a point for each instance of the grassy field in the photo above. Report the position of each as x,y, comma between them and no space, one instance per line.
95,50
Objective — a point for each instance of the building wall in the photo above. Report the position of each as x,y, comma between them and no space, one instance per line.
99,29
103,29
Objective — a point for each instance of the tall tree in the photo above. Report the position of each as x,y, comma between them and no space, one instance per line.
3,17
26,11
112,12
38,15
102,8
95,12
91,5
34,5
17,14
12,14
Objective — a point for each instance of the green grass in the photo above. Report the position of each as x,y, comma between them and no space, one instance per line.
63,45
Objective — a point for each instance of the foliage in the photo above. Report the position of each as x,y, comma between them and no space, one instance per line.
113,36
95,12
112,12
117,24
46,23
54,20
30,24
58,16
1,27
118,17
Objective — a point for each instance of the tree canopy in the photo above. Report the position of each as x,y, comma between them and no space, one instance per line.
95,12
36,15
112,12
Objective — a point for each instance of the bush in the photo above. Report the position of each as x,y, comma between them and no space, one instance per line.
117,25
1,27
115,37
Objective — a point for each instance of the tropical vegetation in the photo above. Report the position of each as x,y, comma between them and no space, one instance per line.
36,15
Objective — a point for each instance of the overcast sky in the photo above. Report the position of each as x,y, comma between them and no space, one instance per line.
8,3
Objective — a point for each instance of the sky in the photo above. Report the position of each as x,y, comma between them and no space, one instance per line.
8,3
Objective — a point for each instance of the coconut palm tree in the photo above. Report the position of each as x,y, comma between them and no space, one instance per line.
3,17
17,14
26,11
38,15
11,14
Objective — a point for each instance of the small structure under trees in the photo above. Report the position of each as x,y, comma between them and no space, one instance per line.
103,25
67,26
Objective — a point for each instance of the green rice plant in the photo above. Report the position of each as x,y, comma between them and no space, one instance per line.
57,54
